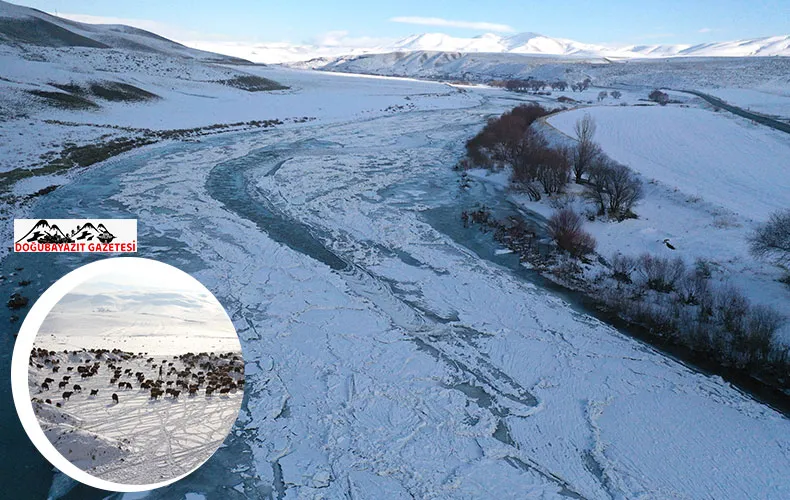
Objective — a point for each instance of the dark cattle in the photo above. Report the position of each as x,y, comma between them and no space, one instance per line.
66,377
192,391
224,390
121,385
55,369
67,395
94,392
48,401
128,385
77,388
45,386
169,382
57,404
114,398
62,384
70,368
175,393
48,380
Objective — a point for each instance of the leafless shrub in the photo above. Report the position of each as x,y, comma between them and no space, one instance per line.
659,273
730,309
566,228
762,323
692,287
622,267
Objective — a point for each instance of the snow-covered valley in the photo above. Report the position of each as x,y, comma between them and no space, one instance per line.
383,357
390,352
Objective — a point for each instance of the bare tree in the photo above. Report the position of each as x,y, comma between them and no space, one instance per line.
602,95
552,169
613,187
586,149
616,94
772,239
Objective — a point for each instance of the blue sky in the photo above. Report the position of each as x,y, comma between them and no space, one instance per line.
308,21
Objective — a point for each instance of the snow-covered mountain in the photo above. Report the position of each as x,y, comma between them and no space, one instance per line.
522,43
537,44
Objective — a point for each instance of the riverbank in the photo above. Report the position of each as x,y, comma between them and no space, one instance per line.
531,244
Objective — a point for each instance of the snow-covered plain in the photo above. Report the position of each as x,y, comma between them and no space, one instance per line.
773,102
137,440
710,178
386,360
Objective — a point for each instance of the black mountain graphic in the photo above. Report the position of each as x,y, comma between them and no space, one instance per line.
89,232
43,232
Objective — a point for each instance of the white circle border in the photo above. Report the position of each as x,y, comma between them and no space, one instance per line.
24,345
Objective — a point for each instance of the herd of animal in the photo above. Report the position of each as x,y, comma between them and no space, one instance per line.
160,376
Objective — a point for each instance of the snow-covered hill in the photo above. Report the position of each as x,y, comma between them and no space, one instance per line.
680,72
52,65
22,25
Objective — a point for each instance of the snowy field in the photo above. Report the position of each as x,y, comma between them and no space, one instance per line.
136,439
710,178
773,102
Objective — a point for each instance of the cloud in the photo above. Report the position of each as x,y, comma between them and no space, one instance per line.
705,30
341,38
438,21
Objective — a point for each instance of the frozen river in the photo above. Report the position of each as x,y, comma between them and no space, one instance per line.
387,360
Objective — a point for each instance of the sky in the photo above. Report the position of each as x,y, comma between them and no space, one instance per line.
139,311
355,23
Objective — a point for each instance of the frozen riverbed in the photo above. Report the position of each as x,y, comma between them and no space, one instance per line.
385,360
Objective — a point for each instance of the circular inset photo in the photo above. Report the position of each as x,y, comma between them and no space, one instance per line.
127,374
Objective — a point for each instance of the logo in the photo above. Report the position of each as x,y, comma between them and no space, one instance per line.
75,235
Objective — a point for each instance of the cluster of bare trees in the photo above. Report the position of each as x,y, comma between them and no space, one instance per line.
681,303
530,85
502,139
534,85
537,167
612,187
582,85
510,141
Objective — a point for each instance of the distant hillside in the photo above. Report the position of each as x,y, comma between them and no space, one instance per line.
23,25
678,72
